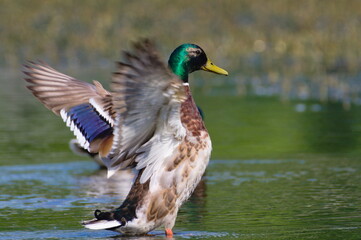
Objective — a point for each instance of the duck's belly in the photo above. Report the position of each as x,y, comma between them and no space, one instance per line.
191,171
170,186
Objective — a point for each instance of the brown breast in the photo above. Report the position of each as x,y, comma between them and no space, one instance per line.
190,116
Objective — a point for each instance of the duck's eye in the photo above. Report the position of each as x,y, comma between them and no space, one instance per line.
198,52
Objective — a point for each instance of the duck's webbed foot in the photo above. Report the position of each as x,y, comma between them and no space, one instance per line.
168,232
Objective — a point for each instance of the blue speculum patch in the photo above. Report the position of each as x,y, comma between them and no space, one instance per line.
89,122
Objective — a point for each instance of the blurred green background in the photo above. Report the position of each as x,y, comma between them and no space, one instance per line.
292,49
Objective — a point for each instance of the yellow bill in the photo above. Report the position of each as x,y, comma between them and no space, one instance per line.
210,67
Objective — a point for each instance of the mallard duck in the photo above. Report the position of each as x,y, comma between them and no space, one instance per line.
149,122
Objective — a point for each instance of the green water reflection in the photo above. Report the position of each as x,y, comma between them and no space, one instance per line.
279,170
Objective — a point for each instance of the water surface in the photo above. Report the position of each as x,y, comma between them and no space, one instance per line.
279,170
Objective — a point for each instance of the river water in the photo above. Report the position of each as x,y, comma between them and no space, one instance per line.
279,170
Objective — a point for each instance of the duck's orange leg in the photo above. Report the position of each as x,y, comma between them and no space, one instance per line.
169,232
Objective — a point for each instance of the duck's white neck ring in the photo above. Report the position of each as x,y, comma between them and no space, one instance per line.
185,84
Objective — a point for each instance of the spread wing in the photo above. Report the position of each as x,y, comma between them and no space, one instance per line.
146,99
59,91
86,108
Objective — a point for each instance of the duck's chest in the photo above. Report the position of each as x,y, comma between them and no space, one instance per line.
191,118
193,153
197,138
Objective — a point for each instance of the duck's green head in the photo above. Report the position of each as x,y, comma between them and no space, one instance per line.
188,58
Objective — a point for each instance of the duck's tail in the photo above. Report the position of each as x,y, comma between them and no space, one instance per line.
96,224
104,220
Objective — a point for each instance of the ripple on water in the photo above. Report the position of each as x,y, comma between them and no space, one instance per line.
240,199
236,173
257,161
48,186
88,234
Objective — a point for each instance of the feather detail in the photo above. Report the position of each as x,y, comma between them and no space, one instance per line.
102,112
101,224
145,94
87,125
85,108
58,91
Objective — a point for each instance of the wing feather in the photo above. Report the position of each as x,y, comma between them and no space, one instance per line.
59,91
144,93
86,108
